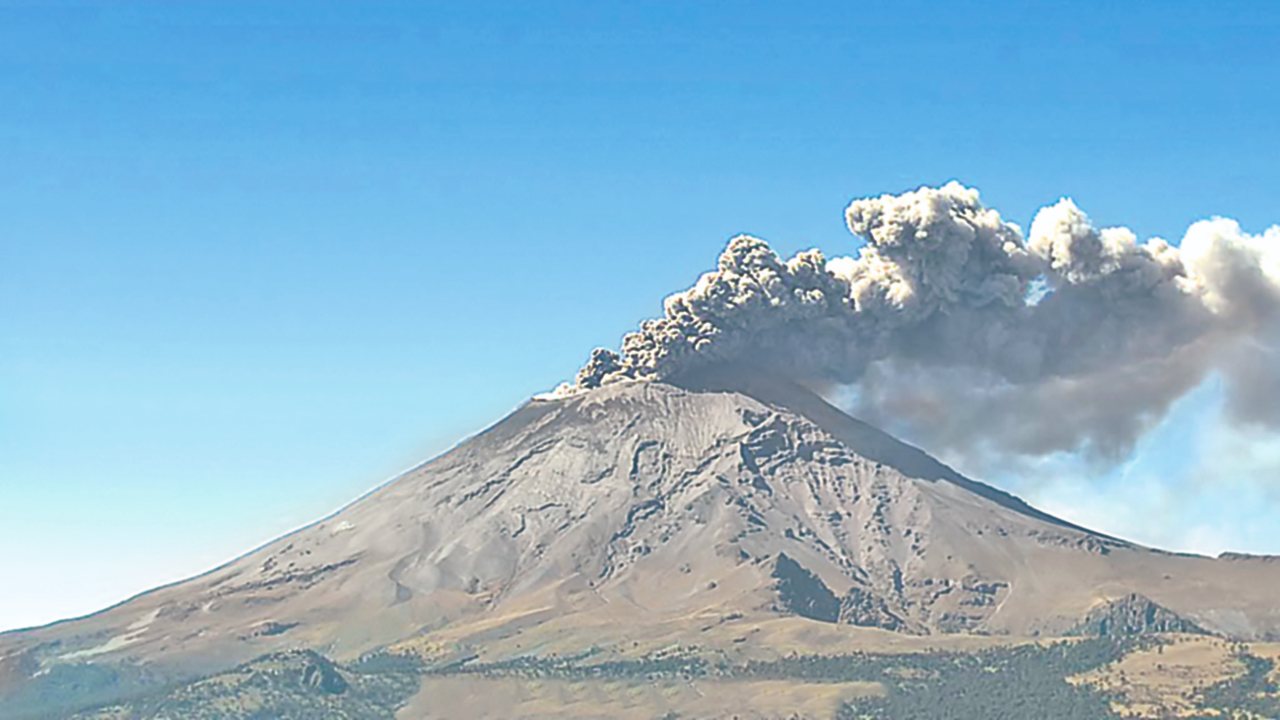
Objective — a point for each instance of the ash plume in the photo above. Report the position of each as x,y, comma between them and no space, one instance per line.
953,322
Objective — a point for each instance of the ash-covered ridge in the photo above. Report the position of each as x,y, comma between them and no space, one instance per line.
647,502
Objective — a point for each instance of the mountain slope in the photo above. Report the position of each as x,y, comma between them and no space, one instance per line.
638,503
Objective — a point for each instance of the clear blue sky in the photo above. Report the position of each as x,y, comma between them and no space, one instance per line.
255,257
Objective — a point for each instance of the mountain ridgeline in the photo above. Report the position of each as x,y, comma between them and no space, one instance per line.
622,522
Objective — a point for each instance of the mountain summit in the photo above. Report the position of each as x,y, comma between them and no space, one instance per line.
644,504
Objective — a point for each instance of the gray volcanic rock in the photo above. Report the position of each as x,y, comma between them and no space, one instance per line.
802,593
648,502
866,609
1131,615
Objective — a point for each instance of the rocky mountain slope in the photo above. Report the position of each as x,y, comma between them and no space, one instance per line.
638,504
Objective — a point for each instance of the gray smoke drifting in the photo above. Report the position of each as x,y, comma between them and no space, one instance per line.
952,322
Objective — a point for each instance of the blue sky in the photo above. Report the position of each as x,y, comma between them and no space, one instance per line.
257,257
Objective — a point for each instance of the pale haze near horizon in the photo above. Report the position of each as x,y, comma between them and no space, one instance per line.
257,258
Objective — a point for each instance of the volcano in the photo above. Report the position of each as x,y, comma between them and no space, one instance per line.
645,513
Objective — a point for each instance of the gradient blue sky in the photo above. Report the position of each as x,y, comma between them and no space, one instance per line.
257,257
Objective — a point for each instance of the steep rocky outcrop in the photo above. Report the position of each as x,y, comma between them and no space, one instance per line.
866,609
1133,615
802,593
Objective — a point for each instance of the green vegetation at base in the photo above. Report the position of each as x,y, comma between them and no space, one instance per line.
63,689
295,685
1251,695
572,668
1011,682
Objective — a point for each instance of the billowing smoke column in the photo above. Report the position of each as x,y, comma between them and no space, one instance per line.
950,321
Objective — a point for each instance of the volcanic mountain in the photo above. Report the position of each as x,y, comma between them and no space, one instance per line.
621,512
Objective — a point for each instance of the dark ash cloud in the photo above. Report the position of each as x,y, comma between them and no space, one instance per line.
953,322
